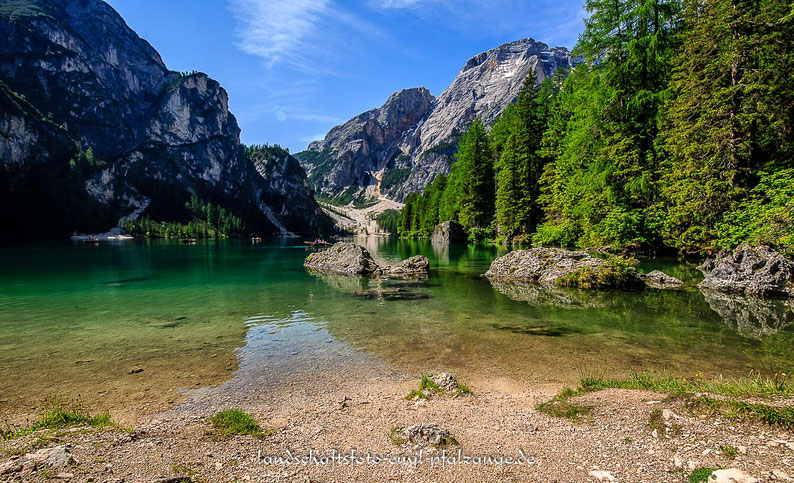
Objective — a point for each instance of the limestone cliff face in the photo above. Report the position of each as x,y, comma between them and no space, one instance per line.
485,85
161,136
355,153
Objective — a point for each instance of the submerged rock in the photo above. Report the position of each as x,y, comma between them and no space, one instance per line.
421,435
660,280
344,258
759,270
391,294
449,232
352,259
555,266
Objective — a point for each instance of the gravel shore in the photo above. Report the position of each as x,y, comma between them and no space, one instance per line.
317,416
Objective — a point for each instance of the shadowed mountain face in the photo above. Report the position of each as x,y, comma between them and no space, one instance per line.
75,77
401,146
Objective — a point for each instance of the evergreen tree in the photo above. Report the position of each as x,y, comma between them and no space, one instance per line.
476,167
730,114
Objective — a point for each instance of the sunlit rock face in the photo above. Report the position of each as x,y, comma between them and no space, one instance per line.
416,144
85,79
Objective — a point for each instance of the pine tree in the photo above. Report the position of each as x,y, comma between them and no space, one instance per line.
476,165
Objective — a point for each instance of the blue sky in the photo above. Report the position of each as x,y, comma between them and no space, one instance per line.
295,68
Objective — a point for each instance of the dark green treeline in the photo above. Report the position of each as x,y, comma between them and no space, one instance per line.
675,133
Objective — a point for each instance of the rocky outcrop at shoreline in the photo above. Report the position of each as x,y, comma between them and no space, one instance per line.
749,270
448,232
351,259
556,266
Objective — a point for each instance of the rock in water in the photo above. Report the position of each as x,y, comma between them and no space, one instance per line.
731,475
421,435
54,457
345,258
449,232
562,267
416,265
750,270
660,280
352,259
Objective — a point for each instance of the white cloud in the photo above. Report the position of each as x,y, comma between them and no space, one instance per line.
306,34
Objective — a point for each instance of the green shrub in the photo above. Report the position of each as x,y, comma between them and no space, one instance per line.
615,272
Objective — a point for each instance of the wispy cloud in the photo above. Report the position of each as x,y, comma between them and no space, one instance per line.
305,34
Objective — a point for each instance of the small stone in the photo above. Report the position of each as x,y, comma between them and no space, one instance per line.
602,475
678,462
668,415
54,457
742,449
420,402
445,381
655,433
782,475
64,476
692,465
135,370
422,435
731,475
10,467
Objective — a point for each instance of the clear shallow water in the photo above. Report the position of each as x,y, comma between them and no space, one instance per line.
81,320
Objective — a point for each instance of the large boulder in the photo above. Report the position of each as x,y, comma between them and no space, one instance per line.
344,258
351,259
449,232
555,266
416,265
749,270
660,280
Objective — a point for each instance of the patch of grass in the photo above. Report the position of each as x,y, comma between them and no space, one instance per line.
729,451
782,416
779,384
396,435
233,422
628,440
701,475
657,422
60,413
562,407
428,388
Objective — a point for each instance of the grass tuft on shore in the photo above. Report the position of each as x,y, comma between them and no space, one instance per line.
562,407
778,384
701,475
236,422
782,416
60,413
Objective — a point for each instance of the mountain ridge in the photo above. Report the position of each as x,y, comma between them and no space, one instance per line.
155,137
483,87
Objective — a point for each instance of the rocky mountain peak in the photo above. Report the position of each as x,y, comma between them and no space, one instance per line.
354,157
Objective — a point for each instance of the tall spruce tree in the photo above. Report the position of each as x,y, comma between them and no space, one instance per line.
730,114
476,168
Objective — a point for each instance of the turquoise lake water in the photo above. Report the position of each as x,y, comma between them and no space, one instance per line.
82,320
